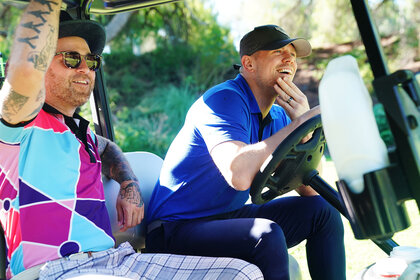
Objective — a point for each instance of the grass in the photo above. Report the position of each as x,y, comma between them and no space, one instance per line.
361,253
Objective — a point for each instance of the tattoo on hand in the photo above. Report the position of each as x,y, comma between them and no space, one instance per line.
13,104
131,193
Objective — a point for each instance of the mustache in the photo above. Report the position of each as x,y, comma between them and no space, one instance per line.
82,77
288,66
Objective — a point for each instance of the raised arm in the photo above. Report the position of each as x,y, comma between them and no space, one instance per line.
23,94
130,206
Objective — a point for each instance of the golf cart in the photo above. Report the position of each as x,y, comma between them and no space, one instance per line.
374,213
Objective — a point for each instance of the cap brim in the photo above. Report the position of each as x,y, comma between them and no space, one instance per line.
303,47
91,31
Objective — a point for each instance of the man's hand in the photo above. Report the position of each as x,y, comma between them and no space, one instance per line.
130,205
291,98
306,191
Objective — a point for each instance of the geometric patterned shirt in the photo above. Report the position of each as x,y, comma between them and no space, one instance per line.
52,200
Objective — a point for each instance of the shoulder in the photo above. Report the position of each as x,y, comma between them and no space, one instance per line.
225,95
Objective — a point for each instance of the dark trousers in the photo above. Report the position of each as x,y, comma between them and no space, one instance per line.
261,234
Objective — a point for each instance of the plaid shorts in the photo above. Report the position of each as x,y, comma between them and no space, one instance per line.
125,262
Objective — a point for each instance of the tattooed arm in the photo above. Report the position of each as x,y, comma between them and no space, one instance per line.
23,93
130,206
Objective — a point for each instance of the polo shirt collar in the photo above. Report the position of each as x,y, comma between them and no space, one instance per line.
243,84
80,130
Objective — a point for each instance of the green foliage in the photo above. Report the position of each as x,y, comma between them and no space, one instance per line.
9,19
154,122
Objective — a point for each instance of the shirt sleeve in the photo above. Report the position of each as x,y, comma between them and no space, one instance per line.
11,134
223,116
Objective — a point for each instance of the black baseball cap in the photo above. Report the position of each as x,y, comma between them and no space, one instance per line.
91,31
271,37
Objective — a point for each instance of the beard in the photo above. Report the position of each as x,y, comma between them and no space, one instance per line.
267,84
69,92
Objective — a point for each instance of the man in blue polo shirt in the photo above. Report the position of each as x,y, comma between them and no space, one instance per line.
198,206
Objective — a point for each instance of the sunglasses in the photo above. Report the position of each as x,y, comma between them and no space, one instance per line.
74,59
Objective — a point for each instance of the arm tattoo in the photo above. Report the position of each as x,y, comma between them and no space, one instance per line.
28,40
13,104
46,2
39,14
40,60
40,100
131,193
33,26
102,143
114,164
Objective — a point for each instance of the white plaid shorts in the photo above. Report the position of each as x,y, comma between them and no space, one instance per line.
126,263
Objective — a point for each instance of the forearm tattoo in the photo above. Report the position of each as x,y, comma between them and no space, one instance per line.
28,40
13,104
40,15
131,193
46,2
40,59
40,100
114,164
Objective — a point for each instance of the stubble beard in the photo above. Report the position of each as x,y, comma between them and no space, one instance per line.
67,92
267,84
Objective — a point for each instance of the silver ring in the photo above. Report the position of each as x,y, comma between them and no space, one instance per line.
289,100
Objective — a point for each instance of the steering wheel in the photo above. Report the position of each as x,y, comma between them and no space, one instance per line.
291,162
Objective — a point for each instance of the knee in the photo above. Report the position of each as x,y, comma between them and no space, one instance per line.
270,250
267,234
328,216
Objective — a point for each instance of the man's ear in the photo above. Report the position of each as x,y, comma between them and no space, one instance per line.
247,63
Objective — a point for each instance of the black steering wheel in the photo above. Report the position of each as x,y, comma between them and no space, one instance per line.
291,162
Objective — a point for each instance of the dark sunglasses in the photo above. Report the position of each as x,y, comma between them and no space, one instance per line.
74,59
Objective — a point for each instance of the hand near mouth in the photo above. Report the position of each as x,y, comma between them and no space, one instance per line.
291,98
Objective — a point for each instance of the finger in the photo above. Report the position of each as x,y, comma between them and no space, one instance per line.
128,218
141,215
282,95
134,218
292,88
120,215
286,88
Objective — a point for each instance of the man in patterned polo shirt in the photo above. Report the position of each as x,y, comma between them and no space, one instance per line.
53,207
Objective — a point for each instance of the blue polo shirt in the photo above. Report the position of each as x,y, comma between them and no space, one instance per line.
190,184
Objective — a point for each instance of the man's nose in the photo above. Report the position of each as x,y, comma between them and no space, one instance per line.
83,67
288,57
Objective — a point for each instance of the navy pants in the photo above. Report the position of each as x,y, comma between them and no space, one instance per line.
261,234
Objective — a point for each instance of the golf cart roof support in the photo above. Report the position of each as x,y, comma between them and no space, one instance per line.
399,94
101,111
370,38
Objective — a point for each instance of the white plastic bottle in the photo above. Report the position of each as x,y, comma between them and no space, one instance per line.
350,128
